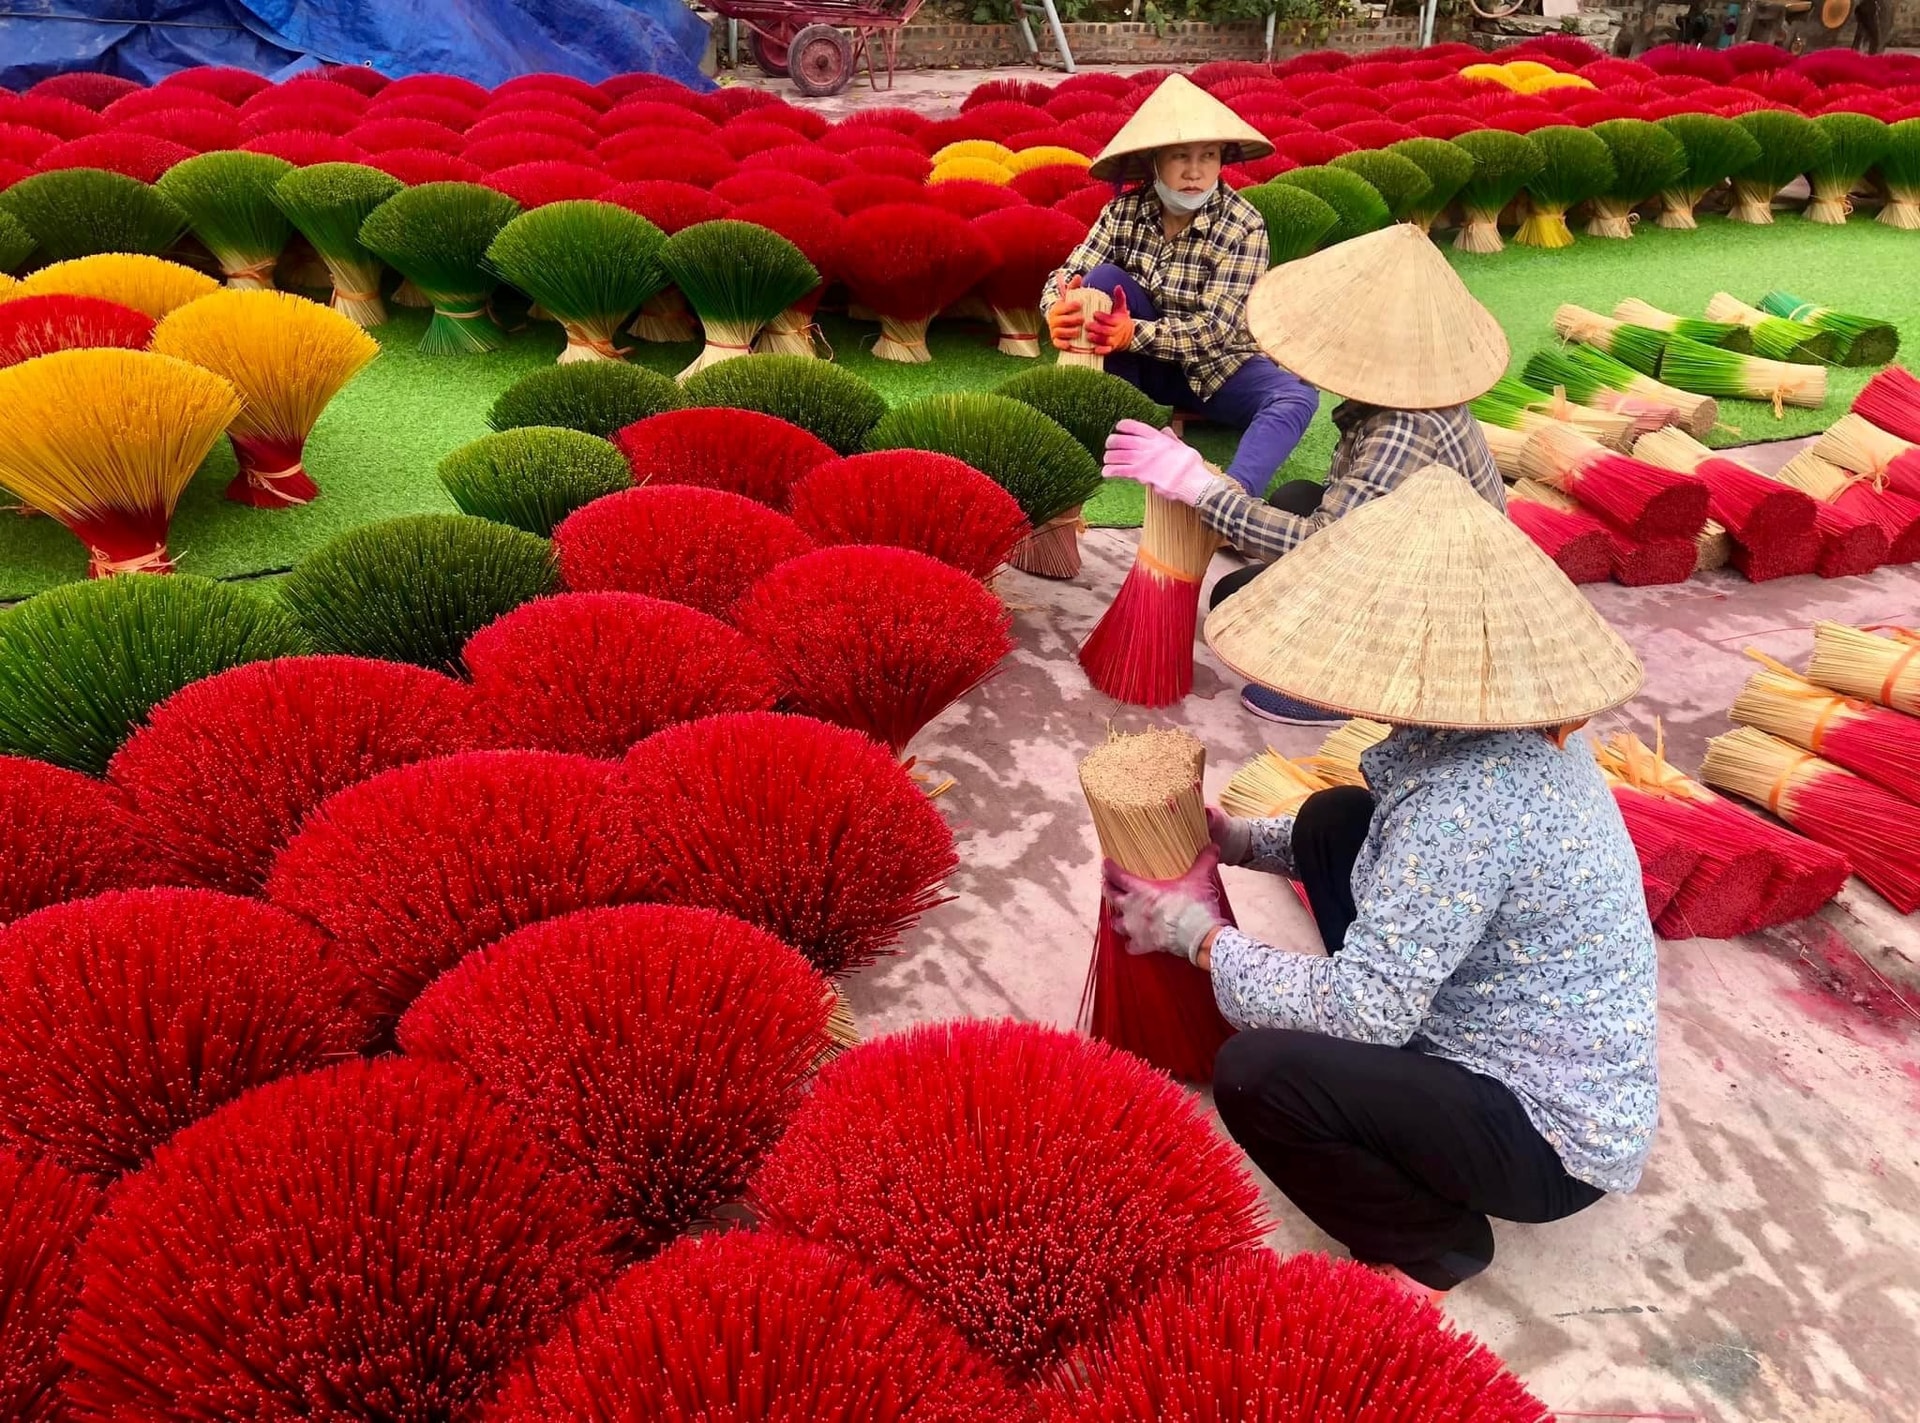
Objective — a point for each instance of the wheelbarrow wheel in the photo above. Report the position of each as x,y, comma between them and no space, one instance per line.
820,59
769,52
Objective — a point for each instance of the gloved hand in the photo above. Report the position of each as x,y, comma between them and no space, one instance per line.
1066,323
1159,460
1231,836
1174,917
1112,330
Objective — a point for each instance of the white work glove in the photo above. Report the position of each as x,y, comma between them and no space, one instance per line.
1231,836
1172,918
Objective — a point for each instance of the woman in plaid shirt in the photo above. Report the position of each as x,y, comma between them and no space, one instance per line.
1179,254
1382,321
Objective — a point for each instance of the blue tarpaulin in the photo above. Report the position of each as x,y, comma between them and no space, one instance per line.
483,40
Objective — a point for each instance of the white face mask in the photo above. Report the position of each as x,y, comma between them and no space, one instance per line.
1173,200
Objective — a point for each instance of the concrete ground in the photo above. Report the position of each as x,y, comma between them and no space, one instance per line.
1768,1268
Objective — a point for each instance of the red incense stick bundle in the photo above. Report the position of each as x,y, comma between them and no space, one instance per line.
1858,445
1730,882
1892,401
1633,562
1576,541
1877,831
1642,500
1753,507
1788,556
1141,651
1666,856
1151,820
1882,745
1897,516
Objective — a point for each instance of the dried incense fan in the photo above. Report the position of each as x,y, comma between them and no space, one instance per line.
1141,651
1151,820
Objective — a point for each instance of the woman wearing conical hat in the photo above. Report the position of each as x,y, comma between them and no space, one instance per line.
1475,1035
1179,252
1383,322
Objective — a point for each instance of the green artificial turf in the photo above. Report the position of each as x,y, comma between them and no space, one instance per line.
376,448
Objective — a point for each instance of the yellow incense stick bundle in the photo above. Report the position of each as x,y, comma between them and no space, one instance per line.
1338,760
1270,785
1144,793
1091,303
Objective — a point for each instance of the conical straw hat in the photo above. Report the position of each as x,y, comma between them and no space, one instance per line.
1426,607
1178,112
1380,319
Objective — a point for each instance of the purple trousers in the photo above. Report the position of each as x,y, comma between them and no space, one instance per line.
1269,406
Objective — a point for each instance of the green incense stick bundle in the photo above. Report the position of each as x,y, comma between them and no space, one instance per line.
1774,337
1729,334
1859,340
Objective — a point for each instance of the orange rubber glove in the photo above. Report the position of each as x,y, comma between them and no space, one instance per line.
1066,323
1112,330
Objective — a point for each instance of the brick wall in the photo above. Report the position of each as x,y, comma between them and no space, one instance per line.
927,45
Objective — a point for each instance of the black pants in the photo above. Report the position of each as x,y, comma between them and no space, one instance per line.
1398,1155
1296,496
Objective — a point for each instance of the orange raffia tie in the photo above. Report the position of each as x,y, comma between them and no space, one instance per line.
1900,663
1835,703
1785,779
267,481
341,294
254,271
601,345
1161,569
99,565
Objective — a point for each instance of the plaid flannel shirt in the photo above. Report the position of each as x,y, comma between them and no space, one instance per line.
1199,281
1378,448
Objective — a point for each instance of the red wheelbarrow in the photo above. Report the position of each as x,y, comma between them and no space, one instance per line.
808,40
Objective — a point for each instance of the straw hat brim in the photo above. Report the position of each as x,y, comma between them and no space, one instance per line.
1382,319
1177,112
1427,607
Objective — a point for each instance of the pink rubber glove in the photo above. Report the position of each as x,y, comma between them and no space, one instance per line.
1172,916
1158,459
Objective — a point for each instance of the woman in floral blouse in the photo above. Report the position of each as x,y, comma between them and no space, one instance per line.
1476,1034
1179,253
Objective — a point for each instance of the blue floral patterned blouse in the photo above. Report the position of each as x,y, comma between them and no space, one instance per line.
1501,926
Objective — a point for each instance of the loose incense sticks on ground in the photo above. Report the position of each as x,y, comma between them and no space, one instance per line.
1141,651
1774,337
1882,745
1878,832
1150,817
1858,340
1707,370
1881,665
1270,785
